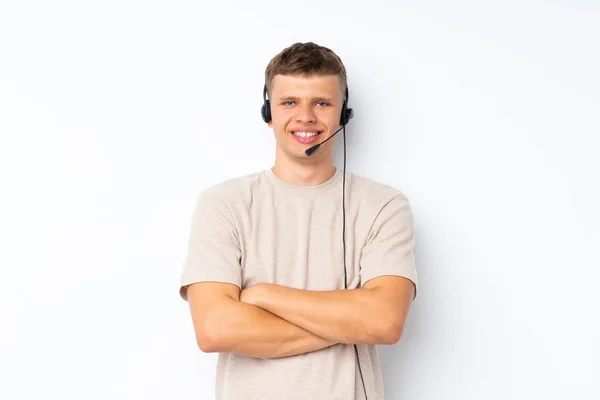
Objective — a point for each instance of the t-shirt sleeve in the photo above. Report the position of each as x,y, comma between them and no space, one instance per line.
213,253
389,249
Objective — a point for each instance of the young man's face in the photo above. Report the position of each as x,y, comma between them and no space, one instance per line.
305,111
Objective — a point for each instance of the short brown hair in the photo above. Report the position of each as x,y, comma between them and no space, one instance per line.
306,59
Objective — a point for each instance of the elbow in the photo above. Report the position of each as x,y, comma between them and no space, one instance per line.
207,338
393,335
390,331
205,343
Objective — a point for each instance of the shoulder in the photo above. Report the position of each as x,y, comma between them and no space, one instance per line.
231,190
374,194
384,208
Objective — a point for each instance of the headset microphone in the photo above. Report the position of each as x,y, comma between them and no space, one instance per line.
316,146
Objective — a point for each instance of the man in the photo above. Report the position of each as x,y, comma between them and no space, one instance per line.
265,270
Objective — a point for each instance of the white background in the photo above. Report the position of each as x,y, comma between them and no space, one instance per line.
115,114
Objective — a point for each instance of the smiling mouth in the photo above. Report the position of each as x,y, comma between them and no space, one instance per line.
306,134
306,137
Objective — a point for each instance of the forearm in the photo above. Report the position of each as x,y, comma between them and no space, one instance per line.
342,316
249,330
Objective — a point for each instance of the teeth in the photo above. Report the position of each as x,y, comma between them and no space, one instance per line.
306,134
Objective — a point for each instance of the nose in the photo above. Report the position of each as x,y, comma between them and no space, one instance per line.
306,114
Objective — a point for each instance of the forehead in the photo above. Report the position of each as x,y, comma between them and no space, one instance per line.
299,85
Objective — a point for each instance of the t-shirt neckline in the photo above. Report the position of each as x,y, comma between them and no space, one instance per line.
304,189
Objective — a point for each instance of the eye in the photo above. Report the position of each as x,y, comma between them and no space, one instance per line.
322,104
288,103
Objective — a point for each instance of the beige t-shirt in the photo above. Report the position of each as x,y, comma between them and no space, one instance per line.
258,228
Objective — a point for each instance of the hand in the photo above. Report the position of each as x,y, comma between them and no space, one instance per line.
253,294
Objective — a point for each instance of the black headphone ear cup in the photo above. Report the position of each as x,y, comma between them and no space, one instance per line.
266,111
344,116
347,113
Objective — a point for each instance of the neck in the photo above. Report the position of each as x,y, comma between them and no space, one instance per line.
301,174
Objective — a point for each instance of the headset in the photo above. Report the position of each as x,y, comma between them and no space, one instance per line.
345,117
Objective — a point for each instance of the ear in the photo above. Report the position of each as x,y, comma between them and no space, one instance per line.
270,123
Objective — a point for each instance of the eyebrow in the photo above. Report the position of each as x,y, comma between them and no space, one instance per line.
319,98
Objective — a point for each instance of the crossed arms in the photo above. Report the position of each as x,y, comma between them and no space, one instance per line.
270,321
